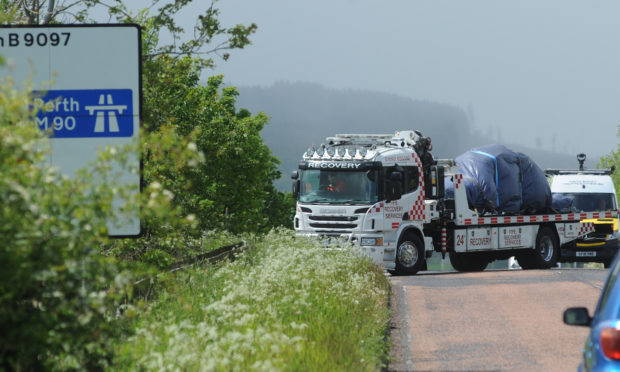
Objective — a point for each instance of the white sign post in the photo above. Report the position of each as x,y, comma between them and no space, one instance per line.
94,99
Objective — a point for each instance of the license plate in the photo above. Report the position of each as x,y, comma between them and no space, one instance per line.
586,254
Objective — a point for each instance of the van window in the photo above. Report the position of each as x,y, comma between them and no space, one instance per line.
590,202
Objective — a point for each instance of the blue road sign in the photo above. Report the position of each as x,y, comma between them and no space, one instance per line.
85,113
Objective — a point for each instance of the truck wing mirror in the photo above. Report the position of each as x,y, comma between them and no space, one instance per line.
296,184
295,189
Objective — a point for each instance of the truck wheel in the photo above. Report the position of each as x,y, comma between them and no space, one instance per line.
467,262
409,255
546,249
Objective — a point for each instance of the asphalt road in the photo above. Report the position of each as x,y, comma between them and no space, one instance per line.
508,320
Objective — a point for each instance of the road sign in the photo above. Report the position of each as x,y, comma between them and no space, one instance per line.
87,86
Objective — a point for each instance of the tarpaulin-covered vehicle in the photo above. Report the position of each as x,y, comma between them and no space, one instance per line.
501,181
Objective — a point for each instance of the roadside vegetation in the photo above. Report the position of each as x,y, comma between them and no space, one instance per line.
284,304
68,299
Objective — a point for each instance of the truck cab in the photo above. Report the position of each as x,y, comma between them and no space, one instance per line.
588,191
371,191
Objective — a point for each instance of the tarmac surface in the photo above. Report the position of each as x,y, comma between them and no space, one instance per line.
495,320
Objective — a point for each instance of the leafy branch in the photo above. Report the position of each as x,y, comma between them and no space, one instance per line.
209,36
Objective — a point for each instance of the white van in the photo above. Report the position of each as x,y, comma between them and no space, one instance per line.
590,191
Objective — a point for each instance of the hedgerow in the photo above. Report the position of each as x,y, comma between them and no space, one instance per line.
58,293
286,304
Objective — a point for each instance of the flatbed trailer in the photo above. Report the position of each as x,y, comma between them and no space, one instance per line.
473,240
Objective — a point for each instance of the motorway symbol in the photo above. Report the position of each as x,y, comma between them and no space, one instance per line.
101,109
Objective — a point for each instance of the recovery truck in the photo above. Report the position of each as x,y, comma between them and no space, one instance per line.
385,194
589,190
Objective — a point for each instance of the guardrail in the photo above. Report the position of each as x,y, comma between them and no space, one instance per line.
214,256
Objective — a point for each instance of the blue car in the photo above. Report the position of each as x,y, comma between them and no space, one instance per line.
602,348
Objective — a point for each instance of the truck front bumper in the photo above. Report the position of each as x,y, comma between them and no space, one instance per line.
371,245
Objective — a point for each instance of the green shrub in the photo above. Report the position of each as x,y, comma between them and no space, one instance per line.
58,294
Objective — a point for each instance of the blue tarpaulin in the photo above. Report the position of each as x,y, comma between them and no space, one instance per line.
499,180
536,193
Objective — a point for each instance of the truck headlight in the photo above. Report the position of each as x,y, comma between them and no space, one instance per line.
371,241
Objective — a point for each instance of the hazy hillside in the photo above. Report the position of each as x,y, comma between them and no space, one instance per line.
303,114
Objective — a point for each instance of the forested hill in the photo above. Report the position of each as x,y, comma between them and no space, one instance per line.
303,114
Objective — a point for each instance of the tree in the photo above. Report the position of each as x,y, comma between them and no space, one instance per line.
232,188
613,160
38,11
209,36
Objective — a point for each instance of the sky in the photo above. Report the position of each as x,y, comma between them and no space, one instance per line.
542,73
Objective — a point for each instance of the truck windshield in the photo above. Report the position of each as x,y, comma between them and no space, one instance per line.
590,202
338,187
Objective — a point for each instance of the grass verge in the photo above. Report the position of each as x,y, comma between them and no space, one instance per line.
285,304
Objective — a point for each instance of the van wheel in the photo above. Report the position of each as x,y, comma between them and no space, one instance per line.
466,262
409,255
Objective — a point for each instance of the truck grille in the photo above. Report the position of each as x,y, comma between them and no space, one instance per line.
333,218
343,224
